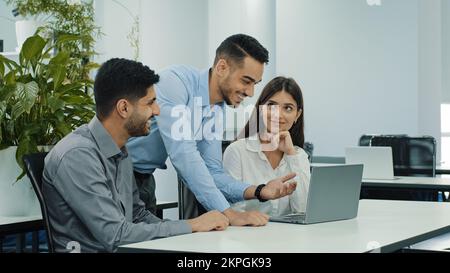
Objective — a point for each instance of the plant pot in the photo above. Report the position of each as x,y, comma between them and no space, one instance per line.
24,30
16,198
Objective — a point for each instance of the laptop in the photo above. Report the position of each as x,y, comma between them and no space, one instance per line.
377,161
333,196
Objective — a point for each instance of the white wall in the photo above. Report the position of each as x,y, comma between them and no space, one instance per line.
172,32
357,65
446,50
252,17
7,28
430,80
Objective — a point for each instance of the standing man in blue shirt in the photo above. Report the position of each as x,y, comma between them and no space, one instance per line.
238,67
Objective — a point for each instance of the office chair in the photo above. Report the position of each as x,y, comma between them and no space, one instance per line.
34,165
365,140
412,156
188,205
309,149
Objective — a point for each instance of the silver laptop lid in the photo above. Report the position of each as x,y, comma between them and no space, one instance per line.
377,161
334,193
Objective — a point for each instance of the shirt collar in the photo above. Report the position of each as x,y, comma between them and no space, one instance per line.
253,144
203,87
104,140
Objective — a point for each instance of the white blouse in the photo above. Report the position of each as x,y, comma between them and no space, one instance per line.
245,161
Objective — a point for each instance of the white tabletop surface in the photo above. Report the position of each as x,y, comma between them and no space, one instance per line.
403,182
412,182
325,164
390,225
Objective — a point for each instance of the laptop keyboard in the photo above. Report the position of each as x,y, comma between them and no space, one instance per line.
294,216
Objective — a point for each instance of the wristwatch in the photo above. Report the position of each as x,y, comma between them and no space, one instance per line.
258,193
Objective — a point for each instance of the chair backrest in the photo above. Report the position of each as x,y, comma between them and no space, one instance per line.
412,156
309,149
365,140
34,165
188,205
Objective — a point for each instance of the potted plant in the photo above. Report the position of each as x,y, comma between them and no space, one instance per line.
26,27
64,17
40,102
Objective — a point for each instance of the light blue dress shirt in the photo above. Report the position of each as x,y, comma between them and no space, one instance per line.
198,160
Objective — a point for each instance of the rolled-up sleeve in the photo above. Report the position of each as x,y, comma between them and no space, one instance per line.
81,180
233,189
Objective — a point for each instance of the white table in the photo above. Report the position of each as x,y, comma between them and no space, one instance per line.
391,225
424,183
443,169
406,182
325,164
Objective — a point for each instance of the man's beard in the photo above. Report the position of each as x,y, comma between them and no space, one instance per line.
226,92
136,127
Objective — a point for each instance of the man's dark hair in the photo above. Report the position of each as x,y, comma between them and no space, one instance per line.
235,48
121,79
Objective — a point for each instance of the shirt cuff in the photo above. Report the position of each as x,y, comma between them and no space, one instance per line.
243,188
178,227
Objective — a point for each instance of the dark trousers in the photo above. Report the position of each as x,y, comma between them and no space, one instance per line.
146,185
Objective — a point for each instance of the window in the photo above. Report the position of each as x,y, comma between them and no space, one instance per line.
445,117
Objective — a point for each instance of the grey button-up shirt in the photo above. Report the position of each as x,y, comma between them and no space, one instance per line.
92,197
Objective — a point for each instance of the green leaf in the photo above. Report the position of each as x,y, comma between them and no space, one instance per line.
59,115
10,131
17,111
65,38
58,73
26,146
64,129
2,109
2,70
27,95
22,150
55,104
91,66
6,92
11,65
10,78
74,100
61,58
70,88
32,48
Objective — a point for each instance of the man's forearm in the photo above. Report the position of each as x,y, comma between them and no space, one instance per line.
249,193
